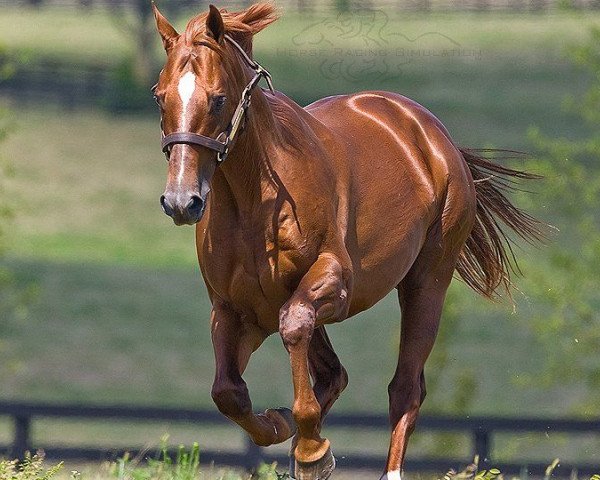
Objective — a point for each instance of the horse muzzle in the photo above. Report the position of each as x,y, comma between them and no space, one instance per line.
184,208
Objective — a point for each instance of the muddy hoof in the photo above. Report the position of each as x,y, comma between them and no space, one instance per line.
318,470
284,422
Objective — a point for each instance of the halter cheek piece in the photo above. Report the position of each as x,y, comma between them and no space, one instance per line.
225,139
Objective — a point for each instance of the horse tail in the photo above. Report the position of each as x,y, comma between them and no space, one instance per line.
487,259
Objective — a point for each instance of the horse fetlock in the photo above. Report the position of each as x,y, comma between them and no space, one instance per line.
307,412
264,437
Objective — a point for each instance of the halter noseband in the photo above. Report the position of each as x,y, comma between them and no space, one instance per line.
225,139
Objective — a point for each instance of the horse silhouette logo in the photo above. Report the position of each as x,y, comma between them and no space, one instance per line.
364,44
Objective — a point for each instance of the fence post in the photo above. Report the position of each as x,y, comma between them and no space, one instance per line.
21,439
253,454
481,445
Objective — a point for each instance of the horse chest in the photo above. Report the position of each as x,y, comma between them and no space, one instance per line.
257,271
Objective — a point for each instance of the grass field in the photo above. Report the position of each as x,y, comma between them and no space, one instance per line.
121,313
185,465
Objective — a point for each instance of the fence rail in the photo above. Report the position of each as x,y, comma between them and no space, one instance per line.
481,430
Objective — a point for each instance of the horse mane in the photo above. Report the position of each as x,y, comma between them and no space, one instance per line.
242,25
291,126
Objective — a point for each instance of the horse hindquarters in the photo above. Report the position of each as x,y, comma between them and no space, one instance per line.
421,294
467,238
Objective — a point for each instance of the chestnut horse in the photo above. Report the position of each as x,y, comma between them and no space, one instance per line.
307,216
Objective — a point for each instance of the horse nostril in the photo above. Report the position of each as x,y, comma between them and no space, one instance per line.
165,206
195,204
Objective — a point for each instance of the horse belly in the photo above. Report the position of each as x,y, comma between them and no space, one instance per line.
389,240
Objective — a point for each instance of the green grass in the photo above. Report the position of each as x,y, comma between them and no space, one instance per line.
116,334
516,77
98,182
185,465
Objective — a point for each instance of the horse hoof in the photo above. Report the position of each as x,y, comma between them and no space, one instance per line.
284,423
318,470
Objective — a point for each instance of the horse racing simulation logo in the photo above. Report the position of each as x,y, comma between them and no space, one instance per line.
365,44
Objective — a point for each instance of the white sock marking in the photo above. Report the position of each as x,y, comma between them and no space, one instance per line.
393,475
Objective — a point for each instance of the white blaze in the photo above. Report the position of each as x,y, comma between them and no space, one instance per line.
186,87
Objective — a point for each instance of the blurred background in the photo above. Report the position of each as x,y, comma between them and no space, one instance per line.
101,299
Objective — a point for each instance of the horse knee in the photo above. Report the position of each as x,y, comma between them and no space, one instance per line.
232,400
296,323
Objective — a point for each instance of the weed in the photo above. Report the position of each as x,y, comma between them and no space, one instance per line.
31,468
185,465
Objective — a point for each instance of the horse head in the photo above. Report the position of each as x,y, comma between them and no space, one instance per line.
198,91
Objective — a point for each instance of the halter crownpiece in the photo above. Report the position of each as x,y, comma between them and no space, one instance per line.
225,139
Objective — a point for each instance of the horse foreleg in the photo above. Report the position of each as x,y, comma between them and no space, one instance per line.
421,311
321,297
233,344
329,376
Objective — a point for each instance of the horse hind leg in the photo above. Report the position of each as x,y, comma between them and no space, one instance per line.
421,296
329,375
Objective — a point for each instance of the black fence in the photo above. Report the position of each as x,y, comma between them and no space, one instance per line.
481,430
68,85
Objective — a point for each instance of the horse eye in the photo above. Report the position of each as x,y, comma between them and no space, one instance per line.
157,98
153,90
218,103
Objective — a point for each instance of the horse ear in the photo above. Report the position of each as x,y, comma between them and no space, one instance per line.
214,24
166,31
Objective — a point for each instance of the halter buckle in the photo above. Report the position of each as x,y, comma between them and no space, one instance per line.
225,139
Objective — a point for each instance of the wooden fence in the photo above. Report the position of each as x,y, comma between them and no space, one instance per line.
481,430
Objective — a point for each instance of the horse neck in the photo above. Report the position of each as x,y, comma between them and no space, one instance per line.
248,170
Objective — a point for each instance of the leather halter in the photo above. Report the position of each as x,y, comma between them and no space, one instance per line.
225,139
